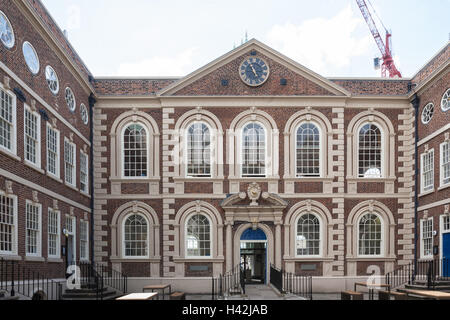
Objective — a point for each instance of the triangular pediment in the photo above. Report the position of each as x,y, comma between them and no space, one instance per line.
222,77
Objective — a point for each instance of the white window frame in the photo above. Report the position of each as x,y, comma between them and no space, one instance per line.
36,164
13,149
383,146
321,160
86,241
124,256
442,164
445,95
422,239
58,152
38,252
186,156
58,234
74,175
188,218
14,250
266,151
86,183
321,236
122,138
426,188
382,240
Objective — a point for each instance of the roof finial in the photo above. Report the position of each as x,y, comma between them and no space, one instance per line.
246,36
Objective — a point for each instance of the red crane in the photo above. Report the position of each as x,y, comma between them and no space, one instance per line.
388,61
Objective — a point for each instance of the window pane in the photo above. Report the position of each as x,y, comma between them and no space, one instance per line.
370,236
308,236
253,151
308,151
198,242
135,236
135,151
369,152
199,151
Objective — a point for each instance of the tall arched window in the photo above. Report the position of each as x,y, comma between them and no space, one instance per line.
135,231
135,163
199,151
370,235
308,151
198,236
370,151
308,235
253,150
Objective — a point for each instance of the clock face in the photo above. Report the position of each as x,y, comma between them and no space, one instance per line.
254,71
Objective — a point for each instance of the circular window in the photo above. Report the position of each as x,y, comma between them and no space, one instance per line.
445,103
84,114
52,79
6,31
31,57
70,99
427,113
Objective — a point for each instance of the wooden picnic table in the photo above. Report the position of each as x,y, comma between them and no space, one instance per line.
139,296
372,288
435,295
162,287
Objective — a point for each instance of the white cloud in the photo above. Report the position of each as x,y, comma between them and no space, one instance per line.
323,45
178,65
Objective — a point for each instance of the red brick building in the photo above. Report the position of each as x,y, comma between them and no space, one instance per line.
252,158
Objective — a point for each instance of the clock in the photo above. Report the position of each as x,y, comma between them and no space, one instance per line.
254,71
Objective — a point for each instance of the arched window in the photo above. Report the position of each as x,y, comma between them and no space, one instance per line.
198,236
370,235
135,231
253,150
308,235
135,151
308,151
199,151
370,151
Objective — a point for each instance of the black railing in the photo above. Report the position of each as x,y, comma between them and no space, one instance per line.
400,276
429,271
287,282
432,271
16,279
99,278
231,282
276,278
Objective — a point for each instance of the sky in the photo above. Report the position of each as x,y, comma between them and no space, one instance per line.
157,38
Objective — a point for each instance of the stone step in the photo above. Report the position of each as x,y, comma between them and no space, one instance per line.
425,287
91,295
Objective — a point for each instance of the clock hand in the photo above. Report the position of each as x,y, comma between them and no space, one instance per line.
254,71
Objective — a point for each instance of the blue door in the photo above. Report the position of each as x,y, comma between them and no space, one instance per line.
446,255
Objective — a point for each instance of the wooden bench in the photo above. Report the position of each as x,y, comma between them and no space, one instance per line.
386,295
178,296
352,295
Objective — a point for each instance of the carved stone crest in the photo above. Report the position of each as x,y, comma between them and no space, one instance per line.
254,193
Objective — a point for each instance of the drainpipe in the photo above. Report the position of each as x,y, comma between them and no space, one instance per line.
92,102
416,104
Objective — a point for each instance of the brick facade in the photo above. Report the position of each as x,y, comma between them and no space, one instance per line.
166,197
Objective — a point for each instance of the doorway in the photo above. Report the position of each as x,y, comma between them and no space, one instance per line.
446,255
254,256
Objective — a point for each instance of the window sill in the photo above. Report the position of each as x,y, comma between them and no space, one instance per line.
193,260
445,186
71,187
34,259
307,259
375,259
55,260
10,154
198,179
54,177
10,257
34,167
353,179
425,193
126,260
254,179
307,179
85,194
